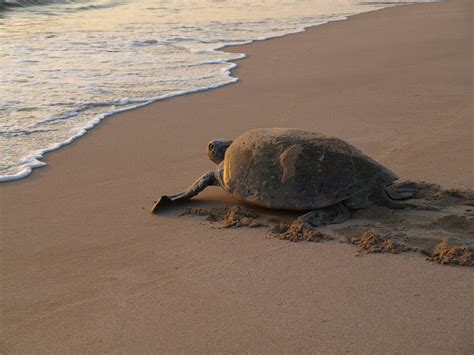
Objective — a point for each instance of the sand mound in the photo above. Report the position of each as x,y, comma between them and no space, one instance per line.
373,242
441,226
445,253
298,231
232,217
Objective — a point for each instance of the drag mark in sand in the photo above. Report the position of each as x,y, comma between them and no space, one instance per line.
440,227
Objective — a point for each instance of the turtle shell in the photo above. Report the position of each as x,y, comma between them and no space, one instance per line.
297,169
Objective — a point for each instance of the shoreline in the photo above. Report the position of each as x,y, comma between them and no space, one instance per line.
36,159
86,268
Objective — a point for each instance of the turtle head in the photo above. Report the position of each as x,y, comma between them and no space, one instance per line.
216,149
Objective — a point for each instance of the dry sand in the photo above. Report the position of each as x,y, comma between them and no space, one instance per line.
86,268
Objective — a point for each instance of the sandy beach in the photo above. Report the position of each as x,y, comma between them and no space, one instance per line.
86,268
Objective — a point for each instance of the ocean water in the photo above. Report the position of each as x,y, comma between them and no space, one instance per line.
67,64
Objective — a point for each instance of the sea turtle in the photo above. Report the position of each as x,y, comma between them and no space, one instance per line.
294,169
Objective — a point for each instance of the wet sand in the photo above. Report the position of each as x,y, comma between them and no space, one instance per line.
87,268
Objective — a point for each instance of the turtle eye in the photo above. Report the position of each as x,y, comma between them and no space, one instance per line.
210,146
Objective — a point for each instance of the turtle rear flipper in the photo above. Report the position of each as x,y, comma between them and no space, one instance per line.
381,197
397,192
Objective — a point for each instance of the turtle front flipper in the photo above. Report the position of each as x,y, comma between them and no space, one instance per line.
208,179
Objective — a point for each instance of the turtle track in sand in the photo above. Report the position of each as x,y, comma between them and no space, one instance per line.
441,229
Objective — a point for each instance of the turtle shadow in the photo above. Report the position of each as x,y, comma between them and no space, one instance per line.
228,214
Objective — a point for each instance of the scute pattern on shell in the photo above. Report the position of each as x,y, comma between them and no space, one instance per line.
298,169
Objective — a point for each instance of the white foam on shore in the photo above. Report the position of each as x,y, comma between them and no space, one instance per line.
32,161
